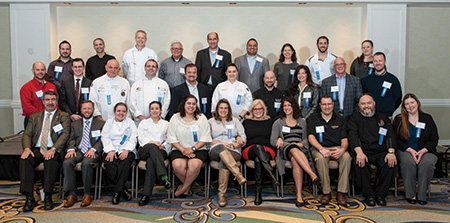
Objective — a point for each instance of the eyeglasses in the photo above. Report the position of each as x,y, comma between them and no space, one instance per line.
339,64
176,48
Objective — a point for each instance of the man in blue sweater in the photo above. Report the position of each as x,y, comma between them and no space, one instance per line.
383,86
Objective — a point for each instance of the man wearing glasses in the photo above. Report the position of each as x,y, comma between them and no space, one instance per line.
172,68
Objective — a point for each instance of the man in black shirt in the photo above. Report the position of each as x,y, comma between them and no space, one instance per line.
95,65
372,141
328,138
271,95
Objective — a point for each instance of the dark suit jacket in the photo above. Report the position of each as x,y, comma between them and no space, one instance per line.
181,91
34,128
205,69
76,135
429,136
67,98
353,91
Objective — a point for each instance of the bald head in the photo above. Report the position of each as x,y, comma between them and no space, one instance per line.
112,68
38,71
269,80
366,105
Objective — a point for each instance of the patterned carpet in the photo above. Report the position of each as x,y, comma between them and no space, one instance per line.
196,208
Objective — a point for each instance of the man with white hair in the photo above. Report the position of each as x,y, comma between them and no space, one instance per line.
172,68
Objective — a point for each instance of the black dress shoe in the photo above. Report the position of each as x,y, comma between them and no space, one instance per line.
48,203
144,200
29,204
116,198
167,184
126,195
422,202
370,201
258,196
381,200
299,204
411,201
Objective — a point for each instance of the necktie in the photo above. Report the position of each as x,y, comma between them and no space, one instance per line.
85,139
45,131
77,93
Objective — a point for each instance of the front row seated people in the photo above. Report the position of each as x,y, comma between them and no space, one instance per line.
119,147
85,146
328,138
188,132
417,138
372,141
258,127
43,140
289,135
228,137
152,136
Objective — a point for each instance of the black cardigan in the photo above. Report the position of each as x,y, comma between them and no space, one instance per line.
429,136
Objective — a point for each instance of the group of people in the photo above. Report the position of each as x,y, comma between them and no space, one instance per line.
222,111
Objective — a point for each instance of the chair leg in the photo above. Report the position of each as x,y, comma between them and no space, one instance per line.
245,184
96,183
136,184
173,184
206,176
395,185
278,188
208,181
282,185
99,196
133,167
242,186
169,178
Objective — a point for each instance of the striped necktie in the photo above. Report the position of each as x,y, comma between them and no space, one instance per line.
45,131
85,139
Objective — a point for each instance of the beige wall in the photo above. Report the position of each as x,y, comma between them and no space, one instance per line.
6,114
271,26
427,63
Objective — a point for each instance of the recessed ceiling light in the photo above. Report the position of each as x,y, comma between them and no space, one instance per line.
302,3
233,3
67,3
349,3
185,3
114,3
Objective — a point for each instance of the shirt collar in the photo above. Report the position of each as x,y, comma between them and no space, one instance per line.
173,59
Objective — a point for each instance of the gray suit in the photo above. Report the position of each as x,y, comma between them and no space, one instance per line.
76,135
353,91
253,80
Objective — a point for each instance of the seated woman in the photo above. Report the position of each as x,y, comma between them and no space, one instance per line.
305,91
289,135
152,136
237,93
188,133
417,138
228,137
258,127
119,147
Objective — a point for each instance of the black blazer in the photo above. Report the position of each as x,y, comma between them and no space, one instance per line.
429,136
76,135
179,92
205,69
67,99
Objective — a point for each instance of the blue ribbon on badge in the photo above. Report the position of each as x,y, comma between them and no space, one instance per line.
59,132
159,99
320,137
238,101
334,96
96,138
307,102
204,108
195,136
380,142
383,93
229,133
41,99
418,133
257,64
57,75
124,138
318,75
292,78
370,70
217,63
108,99
85,95
276,110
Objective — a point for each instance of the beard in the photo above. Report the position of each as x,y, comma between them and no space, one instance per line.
269,86
88,117
369,114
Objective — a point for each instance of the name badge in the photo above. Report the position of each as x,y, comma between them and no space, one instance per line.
371,65
57,128
58,69
316,68
334,88
194,128
259,59
320,129
277,104
292,71
219,57
387,85
39,93
161,96
85,90
229,126
96,133
182,70
307,94
204,100
382,131
420,125
286,129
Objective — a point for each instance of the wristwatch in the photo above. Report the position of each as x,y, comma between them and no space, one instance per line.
391,152
194,149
